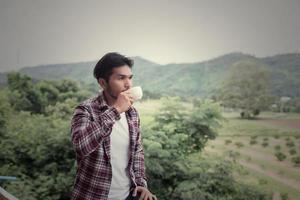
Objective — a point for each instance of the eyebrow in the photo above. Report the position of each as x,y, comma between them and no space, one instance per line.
124,75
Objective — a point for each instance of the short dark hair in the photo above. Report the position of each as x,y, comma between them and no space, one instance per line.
105,65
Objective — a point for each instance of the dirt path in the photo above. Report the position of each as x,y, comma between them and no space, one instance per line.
286,181
288,123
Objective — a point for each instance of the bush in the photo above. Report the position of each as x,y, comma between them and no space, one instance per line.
262,181
284,196
252,142
296,160
280,156
254,137
227,142
277,147
39,153
265,144
292,151
290,144
37,149
173,171
239,144
276,136
233,155
217,183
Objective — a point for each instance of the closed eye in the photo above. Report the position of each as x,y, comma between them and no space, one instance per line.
122,77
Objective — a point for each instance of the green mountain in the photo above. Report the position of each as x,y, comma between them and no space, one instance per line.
185,79
285,74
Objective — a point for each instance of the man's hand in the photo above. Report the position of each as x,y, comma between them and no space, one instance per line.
123,102
145,193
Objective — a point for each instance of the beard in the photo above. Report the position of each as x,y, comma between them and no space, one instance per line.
112,95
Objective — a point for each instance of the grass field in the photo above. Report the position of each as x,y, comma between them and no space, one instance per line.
252,144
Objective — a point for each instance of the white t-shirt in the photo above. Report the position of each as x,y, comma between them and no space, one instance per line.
119,141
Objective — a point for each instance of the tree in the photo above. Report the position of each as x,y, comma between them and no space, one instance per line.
34,97
24,95
38,151
246,88
5,111
174,164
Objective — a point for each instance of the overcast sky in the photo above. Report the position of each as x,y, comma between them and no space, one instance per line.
34,32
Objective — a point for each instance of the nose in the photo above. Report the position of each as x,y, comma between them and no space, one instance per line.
128,83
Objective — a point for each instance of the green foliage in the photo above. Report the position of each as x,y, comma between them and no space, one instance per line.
290,104
239,144
227,142
246,88
216,183
265,144
35,146
277,147
290,144
276,136
24,96
39,153
254,137
5,111
233,155
35,141
192,79
252,142
284,196
292,151
62,110
294,104
280,156
191,128
171,147
35,97
285,75
262,181
151,95
296,160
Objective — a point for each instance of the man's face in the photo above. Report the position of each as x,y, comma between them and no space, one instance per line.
119,81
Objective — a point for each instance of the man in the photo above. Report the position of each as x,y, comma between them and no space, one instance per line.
106,137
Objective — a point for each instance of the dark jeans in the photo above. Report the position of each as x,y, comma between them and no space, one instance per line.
130,197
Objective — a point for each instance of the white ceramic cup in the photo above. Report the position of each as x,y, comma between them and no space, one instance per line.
136,92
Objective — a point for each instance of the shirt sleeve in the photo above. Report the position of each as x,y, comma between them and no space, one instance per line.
87,133
139,162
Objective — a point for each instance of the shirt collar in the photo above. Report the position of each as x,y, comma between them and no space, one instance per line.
101,100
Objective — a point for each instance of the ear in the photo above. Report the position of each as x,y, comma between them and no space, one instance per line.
102,83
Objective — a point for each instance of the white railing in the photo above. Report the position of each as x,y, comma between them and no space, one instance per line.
5,195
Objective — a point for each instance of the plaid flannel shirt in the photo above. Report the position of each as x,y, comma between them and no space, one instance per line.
91,126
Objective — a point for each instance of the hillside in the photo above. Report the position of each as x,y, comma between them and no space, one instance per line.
192,79
285,74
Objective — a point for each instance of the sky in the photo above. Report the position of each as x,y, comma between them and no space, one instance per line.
37,32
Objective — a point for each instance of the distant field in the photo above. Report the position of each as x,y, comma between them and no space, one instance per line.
270,133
